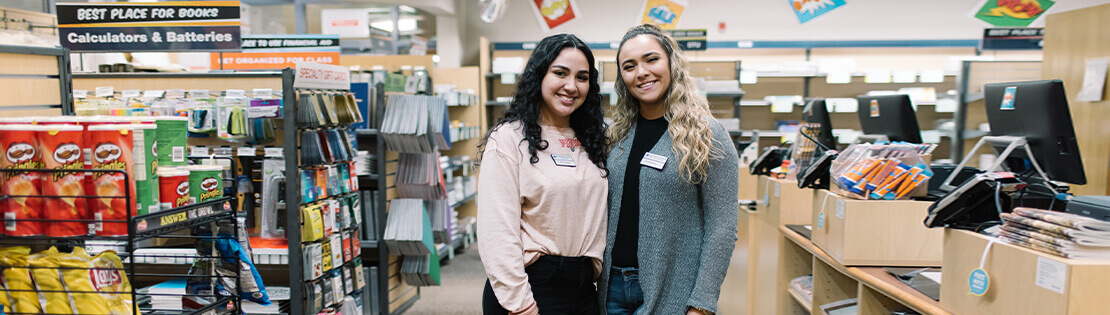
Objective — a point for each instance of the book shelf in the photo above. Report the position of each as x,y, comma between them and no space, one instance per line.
394,295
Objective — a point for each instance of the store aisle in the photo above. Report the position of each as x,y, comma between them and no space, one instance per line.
461,290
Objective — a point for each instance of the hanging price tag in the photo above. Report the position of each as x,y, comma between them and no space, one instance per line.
199,94
153,93
263,93
131,93
80,93
198,151
235,93
175,93
246,151
104,91
275,151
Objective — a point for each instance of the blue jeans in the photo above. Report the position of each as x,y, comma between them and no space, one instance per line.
625,295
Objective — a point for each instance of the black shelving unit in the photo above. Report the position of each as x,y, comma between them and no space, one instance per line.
292,131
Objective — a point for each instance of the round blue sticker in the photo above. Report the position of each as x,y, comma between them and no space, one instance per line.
978,282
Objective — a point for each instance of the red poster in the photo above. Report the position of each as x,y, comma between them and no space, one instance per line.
553,13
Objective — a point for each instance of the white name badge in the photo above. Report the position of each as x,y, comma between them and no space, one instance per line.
563,160
653,161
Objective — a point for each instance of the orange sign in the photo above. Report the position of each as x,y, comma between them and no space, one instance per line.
271,60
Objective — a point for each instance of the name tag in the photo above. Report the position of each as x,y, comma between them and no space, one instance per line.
653,161
563,160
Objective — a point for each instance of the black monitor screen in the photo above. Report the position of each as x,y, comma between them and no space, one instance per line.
816,116
889,115
1038,111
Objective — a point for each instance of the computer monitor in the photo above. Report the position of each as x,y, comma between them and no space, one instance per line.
889,115
1037,111
816,115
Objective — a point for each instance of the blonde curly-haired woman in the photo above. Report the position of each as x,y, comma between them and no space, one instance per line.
672,186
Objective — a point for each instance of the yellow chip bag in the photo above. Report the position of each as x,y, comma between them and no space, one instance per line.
76,275
110,280
18,280
4,298
48,281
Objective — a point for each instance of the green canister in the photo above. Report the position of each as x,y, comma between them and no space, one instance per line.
171,138
205,182
146,180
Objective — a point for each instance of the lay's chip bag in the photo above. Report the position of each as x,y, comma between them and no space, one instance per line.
48,281
77,279
109,279
18,280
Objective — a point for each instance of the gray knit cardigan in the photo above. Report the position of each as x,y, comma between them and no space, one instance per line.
687,231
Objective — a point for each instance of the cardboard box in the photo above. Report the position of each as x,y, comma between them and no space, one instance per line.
786,203
1021,281
748,185
875,232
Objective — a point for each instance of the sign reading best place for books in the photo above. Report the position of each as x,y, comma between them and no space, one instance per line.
150,26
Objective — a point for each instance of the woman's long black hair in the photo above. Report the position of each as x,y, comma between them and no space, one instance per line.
588,121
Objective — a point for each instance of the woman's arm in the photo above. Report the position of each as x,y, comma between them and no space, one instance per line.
499,227
718,194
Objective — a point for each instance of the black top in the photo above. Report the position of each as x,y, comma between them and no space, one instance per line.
647,134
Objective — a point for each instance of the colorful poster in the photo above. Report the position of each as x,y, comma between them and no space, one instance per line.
553,13
279,51
664,13
150,26
1012,13
807,10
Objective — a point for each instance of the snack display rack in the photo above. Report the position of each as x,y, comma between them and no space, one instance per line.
161,224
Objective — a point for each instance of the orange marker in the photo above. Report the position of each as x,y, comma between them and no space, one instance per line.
850,177
891,181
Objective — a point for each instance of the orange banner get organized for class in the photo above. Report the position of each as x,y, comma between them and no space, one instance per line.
271,60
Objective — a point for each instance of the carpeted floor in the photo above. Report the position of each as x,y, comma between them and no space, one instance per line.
460,292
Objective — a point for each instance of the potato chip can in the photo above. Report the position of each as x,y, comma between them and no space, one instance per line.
61,146
21,151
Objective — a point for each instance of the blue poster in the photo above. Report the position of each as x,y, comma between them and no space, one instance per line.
807,10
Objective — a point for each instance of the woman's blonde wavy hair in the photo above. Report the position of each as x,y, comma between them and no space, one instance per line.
687,112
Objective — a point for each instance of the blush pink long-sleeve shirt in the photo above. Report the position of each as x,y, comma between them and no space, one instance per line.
528,210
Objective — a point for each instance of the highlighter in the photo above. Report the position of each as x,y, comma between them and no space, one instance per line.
854,174
915,181
891,181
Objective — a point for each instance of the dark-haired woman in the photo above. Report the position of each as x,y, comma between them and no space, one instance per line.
542,188
672,189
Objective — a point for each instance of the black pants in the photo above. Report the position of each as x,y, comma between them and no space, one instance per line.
560,285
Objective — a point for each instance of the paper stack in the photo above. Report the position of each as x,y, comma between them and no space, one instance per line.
403,231
165,296
419,176
279,303
441,215
1057,233
416,270
416,124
